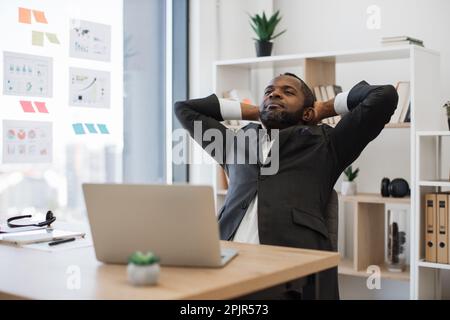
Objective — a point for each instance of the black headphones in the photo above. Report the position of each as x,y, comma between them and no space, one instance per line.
49,219
397,188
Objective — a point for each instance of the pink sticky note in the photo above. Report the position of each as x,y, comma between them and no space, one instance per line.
24,15
27,106
41,107
39,16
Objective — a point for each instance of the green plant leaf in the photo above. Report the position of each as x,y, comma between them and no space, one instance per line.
143,259
350,174
264,27
274,18
279,34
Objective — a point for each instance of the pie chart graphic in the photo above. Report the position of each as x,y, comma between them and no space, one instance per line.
21,134
31,134
11,134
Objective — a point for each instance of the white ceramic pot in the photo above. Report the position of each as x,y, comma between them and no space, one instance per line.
145,275
348,188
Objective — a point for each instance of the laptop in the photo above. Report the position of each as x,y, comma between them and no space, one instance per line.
176,222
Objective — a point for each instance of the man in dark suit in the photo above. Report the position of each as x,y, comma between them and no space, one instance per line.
287,207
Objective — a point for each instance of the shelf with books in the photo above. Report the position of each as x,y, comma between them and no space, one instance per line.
432,212
417,65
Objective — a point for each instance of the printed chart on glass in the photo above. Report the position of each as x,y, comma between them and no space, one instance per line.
27,75
27,141
61,71
89,88
90,40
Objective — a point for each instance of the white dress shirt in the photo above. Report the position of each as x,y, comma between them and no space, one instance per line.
248,228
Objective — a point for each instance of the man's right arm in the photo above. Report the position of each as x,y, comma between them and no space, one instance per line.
367,109
209,112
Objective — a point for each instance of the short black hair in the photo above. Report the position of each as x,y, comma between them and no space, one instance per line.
309,97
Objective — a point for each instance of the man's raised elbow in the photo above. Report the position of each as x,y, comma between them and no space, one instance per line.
178,107
390,96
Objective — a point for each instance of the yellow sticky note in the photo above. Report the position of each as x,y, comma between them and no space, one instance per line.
39,16
52,37
37,38
24,15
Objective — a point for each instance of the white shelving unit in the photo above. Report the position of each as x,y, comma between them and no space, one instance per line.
432,175
423,69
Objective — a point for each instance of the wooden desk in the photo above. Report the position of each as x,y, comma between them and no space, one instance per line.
27,273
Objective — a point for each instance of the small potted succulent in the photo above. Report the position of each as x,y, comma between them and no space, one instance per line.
348,187
447,108
143,269
264,29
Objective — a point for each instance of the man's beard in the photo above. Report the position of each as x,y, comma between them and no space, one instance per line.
280,119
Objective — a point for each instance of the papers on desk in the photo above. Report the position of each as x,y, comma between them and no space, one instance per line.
39,239
36,236
43,246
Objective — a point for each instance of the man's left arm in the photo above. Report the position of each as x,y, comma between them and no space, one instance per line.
365,110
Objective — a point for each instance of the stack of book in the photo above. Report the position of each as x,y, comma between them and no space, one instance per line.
401,40
325,93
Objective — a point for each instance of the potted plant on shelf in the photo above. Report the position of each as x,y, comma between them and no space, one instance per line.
264,29
348,187
447,108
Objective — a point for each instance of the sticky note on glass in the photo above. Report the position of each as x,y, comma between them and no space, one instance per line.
78,128
40,106
39,16
91,127
37,38
24,15
52,37
27,106
103,129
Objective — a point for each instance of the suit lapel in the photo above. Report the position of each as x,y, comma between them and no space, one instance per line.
284,135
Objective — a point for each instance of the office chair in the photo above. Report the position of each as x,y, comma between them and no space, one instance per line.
332,219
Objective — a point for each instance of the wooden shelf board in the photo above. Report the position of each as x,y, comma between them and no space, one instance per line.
400,125
381,53
433,265
435,183
373,198
432,133
346,268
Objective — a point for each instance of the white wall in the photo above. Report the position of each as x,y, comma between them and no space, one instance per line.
219,29
329,25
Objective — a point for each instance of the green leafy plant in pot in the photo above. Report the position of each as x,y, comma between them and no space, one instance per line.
348,187
264,29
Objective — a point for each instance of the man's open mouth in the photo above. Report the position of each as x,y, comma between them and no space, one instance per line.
274,106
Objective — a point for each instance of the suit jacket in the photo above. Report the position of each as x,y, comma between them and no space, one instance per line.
292,202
